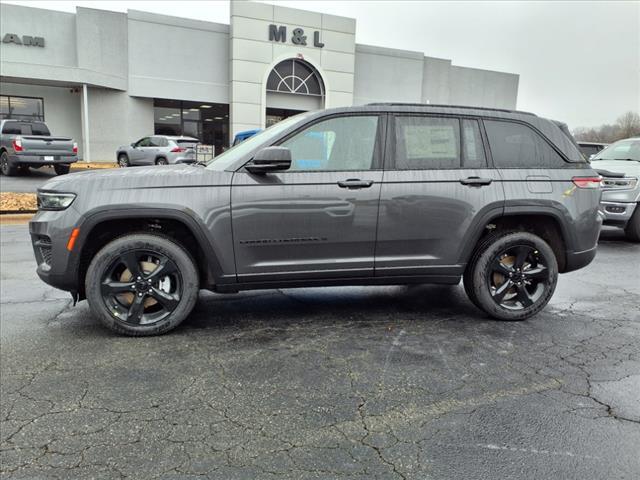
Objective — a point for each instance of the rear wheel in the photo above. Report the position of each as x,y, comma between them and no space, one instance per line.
123,161
162,161
513,276
61,169
142,284
7,167
632,230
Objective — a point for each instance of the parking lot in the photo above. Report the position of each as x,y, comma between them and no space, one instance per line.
376,382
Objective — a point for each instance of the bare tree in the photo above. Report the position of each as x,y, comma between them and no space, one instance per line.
627,125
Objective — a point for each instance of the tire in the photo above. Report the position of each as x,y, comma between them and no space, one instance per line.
61,169
144,303
123,161
527,284
632,229
162,161
7,167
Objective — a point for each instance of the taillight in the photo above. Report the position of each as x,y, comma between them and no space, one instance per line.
178,150
587,182
17,144
75,147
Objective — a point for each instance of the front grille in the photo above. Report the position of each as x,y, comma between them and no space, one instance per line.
43,246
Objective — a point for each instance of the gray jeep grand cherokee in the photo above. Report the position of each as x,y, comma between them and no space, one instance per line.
378,194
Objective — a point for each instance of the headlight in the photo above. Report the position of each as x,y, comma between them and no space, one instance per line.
55,201
622,183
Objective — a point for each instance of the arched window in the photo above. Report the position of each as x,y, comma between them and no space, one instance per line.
295,76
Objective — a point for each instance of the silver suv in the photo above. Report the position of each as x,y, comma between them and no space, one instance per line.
158,150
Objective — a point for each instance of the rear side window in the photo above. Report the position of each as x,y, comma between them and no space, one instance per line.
427,143
40,129
21,128
158,142
472,148
518,146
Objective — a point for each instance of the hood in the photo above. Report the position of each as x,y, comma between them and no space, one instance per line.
628,168
169,176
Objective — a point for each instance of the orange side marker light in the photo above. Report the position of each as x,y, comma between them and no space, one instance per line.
72,238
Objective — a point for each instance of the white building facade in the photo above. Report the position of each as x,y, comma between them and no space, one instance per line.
108,78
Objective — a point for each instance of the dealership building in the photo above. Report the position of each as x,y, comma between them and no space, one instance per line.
109,78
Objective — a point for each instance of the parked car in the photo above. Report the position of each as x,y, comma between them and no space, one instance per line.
589,149
619,165
158,150
395,194
26,143
242,136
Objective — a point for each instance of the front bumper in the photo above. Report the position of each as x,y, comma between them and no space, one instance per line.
617,213
40,159
50,232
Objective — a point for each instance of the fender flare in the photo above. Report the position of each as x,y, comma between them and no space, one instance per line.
515,210
93,218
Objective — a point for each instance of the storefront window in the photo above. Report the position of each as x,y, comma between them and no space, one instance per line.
21,108
208,122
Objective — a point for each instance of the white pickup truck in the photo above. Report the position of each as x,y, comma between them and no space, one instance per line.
26,143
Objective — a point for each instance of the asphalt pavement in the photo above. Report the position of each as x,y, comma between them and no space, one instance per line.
359,383
26,183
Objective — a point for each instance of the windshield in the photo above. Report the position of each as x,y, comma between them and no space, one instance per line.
621,150
222,161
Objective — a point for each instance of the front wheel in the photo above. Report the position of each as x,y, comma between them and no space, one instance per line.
513,277
142,284
123,161
61,169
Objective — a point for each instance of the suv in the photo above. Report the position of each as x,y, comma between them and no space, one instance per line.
158,150
26,143
370,195
619,165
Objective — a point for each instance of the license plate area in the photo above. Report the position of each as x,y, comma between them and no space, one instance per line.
49,158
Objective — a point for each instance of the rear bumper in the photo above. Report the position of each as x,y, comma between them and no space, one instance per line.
577,260
40,159
617,213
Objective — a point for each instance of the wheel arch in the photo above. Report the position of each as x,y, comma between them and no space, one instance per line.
549,223
99,228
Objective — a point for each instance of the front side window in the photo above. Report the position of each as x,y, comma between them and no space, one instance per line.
519,146
424,142
340,143
143,142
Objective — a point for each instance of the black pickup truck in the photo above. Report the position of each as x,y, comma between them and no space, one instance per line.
25,143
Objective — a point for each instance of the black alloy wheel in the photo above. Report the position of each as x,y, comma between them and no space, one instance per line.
142,287
512,275
142,284
518,277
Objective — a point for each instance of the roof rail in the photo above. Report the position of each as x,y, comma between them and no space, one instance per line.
403,104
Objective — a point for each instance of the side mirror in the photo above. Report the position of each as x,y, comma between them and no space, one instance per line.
133,144
270,159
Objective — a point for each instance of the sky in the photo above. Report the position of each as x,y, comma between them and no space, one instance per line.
578,62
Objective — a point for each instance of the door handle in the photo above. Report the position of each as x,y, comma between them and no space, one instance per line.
354,183
475,181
